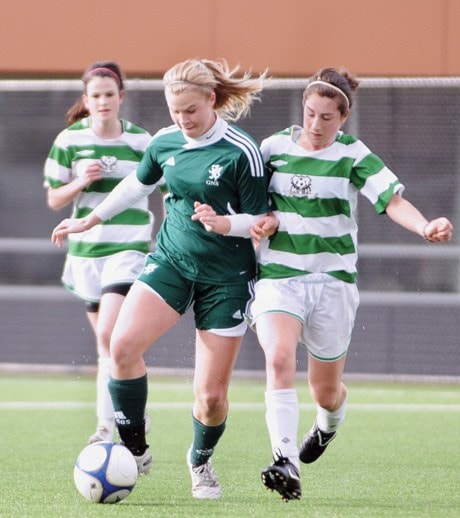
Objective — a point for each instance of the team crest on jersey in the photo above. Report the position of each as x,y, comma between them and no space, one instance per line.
214,174
149,268
300,186
108,164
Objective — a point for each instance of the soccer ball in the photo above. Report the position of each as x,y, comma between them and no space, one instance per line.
105,472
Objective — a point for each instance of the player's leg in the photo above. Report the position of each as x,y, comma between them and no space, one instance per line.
328,336
117,273
83,277
143,318
109,308
215,358
278,335
330,395
104,408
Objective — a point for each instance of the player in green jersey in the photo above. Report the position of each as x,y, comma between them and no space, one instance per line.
86,161
204,256
307,291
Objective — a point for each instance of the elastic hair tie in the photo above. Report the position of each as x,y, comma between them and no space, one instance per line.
330,85
179,82
106,71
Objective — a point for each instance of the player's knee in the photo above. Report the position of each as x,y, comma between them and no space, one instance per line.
122,357
326,396
211,404
279,361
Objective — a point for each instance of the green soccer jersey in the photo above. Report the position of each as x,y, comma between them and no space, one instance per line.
314,196
224,169
73,150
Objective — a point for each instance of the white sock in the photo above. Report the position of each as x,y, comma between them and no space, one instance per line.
329,421
282,418
104,406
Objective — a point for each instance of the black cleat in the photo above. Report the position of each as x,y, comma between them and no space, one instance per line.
314,444
283,476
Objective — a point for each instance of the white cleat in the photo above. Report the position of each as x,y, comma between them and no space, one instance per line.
144,462
204,480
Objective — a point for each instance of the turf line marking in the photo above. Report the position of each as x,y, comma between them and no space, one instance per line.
13,405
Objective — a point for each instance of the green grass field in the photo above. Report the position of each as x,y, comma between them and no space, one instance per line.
397,454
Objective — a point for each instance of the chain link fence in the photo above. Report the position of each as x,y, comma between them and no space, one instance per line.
409,319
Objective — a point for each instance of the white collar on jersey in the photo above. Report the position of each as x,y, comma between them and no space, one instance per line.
213,134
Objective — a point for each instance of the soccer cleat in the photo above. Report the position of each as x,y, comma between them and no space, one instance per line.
284,477
314,444
204,480
144,462
102,434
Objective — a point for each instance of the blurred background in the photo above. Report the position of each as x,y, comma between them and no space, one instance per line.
407,54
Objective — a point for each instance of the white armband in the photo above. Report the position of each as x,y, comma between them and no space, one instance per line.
129,191
240,224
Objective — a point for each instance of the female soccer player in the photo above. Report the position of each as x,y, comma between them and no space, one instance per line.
307,289
204,256
87,160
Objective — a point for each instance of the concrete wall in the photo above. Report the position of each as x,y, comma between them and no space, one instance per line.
47,325
290,37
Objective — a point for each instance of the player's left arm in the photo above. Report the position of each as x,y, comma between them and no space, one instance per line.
405,214
237,225
253,193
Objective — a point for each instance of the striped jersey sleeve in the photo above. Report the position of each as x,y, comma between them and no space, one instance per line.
314,196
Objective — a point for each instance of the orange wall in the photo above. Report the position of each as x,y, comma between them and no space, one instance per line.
290,37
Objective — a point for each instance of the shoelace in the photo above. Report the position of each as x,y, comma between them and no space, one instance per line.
206,472
279,459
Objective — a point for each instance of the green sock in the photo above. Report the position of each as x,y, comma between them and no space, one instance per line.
129,399
205,439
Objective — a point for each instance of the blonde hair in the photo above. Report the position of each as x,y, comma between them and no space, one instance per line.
234,95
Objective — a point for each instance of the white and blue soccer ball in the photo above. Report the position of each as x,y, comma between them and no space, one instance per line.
105,472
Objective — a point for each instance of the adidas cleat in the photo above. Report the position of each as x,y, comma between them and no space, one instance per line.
144,462
205,484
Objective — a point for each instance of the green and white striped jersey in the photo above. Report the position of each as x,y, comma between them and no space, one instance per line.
224,169
74,149
314,196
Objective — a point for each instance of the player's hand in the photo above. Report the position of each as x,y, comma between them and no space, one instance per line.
208,217
92,173
264,227
66,227
438,230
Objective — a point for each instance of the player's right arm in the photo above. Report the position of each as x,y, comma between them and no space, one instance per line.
60,197
129,191
73,226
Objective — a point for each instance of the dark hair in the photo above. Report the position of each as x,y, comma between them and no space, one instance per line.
338,78
98,69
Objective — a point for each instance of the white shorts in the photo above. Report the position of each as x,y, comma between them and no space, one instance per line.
326,307
87,277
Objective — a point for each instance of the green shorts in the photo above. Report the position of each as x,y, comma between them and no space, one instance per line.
217,308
